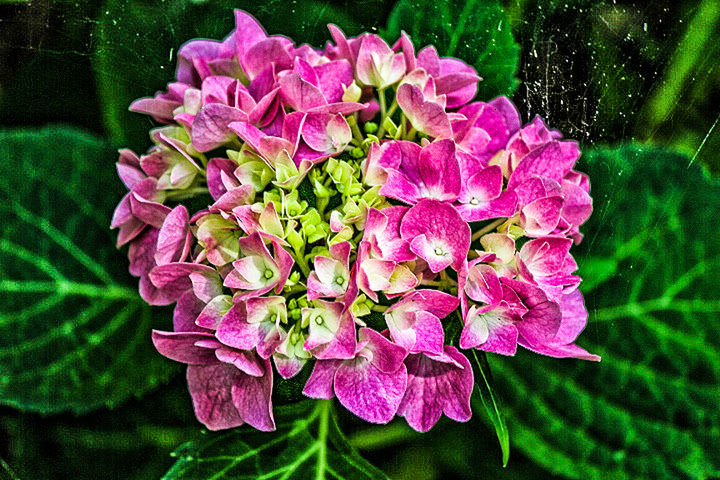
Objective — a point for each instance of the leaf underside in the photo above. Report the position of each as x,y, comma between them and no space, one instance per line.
74,333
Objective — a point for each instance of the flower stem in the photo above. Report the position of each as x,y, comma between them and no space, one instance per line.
302,263
389,113
487,228
357,135
323,422
383,106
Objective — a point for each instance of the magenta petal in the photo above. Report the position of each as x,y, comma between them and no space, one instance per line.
540,324
175,277
180,346
186,311
545,256
429,335
377,64
252,396
235,331
320,383
210,127
577,204
455,81
343,343
386,356
369,393
333,77
130,175
174,239
210,387
562,351
247,362
446,235
574,317
160,108
252,31
541,216
426,116
326,132
213,312
151,213
502,339
217,169
483,284
553,160
299,94
344,48
263,53
439,170
436,387
288,367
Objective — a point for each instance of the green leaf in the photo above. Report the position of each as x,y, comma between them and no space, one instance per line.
651,408
306,445
138,43
475,31
74,333
485,389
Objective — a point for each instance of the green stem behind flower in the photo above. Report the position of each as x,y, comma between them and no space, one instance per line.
488,228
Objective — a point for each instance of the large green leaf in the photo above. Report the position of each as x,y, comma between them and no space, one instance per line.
475,31
138,42
306,445
74,333
651,408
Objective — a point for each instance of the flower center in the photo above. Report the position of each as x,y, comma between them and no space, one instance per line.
439,251
268,273
474,201
339,280
319,320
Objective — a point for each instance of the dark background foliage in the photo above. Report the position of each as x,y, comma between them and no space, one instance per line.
604,73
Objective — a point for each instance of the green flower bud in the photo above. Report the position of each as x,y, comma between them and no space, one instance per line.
371,127
357,152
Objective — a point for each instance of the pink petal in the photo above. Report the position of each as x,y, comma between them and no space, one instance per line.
174,238
320,383
299,94
436,385
369,393
210,387
252,396
210,128
541,216
186,311
426,116
437,234
553,160
180,346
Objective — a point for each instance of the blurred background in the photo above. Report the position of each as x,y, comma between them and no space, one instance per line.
608,74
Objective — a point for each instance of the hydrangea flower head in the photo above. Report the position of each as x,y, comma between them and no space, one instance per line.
356,202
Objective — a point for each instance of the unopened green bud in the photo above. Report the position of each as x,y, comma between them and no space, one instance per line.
371,127
357,152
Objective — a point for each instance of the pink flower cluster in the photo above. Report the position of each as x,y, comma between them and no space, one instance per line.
357,203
